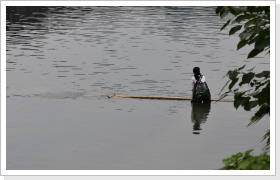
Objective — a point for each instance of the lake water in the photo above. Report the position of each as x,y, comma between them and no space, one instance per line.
63,61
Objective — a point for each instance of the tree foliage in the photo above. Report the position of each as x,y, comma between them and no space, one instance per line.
250,89
246,161
258,93
253,21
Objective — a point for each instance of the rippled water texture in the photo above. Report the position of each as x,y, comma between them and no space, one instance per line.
62,61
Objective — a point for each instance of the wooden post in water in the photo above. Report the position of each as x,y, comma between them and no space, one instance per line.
160,98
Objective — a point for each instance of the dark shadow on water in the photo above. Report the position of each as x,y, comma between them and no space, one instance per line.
200,112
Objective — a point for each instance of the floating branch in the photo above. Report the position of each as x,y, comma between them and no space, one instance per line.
160,97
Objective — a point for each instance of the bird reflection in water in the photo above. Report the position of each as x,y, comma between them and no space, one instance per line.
200,112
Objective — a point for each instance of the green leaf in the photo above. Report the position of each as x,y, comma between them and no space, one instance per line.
263,74
239,155
232,83
266,166
251,69
253,35
223,95
244,164
234,158
253,40
265,33
264,110
224,88
254,52
247,153
232,74
256,30
264,96
267,134
262,23
241,18
260,9
247,77
241,68
245,161
251,8
227,161
235,29
235,90
257,166
238,101
244,35
250,105
247,24
239,94
263,100
262,43
235,10
247,99
224,12
218,9
241,44
225,25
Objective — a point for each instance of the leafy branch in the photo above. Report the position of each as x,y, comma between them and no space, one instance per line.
256,26
258,93
246,161
250,89
254,23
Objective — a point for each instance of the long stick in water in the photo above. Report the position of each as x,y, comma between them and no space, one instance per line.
160,97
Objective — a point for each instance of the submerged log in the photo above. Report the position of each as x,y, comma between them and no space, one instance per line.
160,97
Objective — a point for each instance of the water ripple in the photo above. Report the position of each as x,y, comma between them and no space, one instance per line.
128,49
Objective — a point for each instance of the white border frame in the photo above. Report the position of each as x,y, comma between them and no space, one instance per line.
134,3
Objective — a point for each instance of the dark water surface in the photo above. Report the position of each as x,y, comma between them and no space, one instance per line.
62,61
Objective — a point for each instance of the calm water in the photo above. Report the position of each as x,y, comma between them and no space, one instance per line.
62,61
